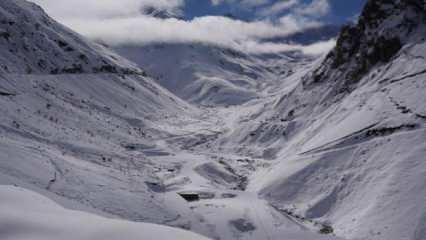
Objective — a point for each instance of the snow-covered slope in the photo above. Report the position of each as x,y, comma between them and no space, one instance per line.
332,145
34,43
211,75
82,132
107,142
214,75
348,137
26,215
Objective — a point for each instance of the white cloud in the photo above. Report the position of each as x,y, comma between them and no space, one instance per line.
216,2
120,22
278,7
313,49
319,47
213,30
241,3
313,9
317,8
65,10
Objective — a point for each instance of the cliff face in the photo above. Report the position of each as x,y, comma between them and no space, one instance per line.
383,28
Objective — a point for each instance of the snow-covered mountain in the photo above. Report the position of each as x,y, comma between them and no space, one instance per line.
96,134
289,146
161,13
210,75
34,43
78,120
348,135
213,75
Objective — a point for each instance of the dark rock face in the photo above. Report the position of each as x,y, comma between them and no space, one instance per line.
159,13
383,28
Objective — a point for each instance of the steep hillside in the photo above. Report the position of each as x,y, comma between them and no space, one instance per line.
348,138
34,43
383,29
99,136
272,145
78,120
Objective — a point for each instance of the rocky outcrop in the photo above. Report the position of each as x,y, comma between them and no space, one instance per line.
382,29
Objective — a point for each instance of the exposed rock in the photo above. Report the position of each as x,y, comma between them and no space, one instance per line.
382,29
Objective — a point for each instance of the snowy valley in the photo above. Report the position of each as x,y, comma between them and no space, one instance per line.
129,142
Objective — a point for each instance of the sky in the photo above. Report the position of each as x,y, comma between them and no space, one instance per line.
123,22
340,12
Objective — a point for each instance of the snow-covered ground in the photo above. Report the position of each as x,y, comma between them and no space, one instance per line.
349,149
310,149
26,215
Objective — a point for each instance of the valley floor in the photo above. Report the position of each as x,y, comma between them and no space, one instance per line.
150,182
216,187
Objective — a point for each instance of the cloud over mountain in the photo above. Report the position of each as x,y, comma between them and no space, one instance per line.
122,22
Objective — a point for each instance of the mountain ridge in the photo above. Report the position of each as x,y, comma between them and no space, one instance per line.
322,148
34,40
341,135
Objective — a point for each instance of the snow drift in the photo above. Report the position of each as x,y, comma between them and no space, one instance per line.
27,215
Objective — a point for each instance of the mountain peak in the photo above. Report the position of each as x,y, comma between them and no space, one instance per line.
383,28
377,11
161,13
